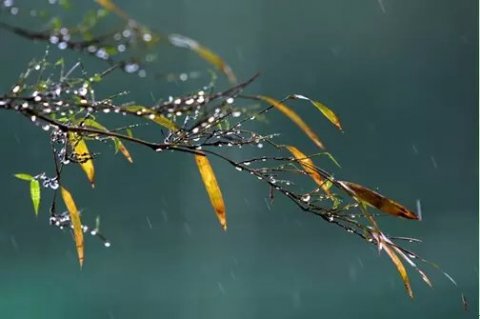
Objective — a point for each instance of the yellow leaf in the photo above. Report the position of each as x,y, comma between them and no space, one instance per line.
204,52
151,115
400,267
216,61
309,168
329,114
124,151
76,223
326,111
377,200
80,149
294,117
118,143
112,7
213,190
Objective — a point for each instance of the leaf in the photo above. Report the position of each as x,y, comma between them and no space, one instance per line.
377,200
151,115
294,117
400,268
112,7
80,148
76,223
24,177
35,195
213,190
326,111
205,53
309,168
118,143
121,147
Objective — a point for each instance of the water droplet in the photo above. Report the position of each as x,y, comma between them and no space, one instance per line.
236,113
230,100
238,168
131,67
62,45
147,37
306,198
107,244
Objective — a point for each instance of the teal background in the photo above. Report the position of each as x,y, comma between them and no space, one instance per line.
404,81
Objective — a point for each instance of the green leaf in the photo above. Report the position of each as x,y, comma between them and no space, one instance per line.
24,177
35,195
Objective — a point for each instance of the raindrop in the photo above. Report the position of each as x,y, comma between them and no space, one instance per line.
131,67
147,37
62,45
306,198
236,113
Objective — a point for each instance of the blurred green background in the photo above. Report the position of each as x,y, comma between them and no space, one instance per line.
402,75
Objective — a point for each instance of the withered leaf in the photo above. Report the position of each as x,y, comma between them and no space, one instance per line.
213,190
377,200
80,149
287,111
76,223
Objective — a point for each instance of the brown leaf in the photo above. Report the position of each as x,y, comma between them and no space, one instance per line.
77,224
294,117
80,149
309,168
377,200
213,190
